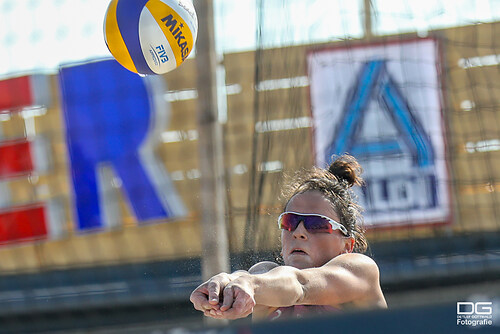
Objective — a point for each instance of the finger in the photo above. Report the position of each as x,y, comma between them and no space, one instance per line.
213,314
228,299
240,304
199,300
213,292
232,314
238,311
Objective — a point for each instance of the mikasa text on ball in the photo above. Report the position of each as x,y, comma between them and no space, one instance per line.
150,36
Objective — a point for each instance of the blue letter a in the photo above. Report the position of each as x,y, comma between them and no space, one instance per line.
375,83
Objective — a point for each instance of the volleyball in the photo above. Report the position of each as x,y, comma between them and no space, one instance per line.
150,36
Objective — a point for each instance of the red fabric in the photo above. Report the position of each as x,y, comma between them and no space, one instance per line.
15,93
15,158
22,223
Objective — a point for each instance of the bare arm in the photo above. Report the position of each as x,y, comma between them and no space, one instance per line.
346,278
262,311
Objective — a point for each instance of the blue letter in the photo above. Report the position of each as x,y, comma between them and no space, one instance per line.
112,121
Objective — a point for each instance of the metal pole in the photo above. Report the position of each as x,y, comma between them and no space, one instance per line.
215,258
367,19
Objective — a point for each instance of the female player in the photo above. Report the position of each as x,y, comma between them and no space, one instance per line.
322,246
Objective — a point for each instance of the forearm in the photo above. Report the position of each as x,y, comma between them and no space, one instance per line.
281,286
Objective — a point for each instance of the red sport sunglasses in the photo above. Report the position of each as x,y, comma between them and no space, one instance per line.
313,223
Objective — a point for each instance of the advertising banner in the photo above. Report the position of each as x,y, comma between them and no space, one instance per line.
382,104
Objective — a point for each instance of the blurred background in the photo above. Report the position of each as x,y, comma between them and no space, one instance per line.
410,88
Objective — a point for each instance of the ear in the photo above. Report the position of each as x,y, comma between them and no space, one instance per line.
349,245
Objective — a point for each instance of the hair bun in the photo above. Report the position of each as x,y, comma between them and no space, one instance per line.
347,168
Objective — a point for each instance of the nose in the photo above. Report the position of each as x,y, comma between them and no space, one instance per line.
300,232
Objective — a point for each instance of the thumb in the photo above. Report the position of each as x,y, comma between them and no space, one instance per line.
213,292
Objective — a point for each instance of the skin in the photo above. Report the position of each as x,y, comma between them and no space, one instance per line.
319,247
323,272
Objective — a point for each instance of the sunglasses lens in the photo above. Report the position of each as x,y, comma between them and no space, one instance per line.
313,224
317,224
289,221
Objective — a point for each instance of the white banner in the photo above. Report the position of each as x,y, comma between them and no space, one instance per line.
382,104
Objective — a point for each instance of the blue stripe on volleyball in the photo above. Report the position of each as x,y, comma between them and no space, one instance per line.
128,13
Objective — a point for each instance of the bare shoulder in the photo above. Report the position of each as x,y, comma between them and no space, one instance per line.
262,267
358,264
367,279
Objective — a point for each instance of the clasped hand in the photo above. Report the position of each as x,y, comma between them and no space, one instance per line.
225,296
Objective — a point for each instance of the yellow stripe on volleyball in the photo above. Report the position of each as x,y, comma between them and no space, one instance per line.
115,41
176,30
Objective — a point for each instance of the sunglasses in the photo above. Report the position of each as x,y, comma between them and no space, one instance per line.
313,223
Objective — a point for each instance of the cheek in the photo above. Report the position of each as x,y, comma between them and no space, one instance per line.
330,246
285,238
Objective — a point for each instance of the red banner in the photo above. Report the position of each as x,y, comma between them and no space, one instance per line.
16,93
25,223
15,158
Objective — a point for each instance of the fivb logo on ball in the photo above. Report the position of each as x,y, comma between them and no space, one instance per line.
150,36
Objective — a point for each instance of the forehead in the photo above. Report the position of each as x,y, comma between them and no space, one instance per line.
312,202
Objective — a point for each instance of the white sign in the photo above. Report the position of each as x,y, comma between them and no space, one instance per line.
474,313
382,104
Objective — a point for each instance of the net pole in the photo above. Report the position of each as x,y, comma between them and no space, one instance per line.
215,258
